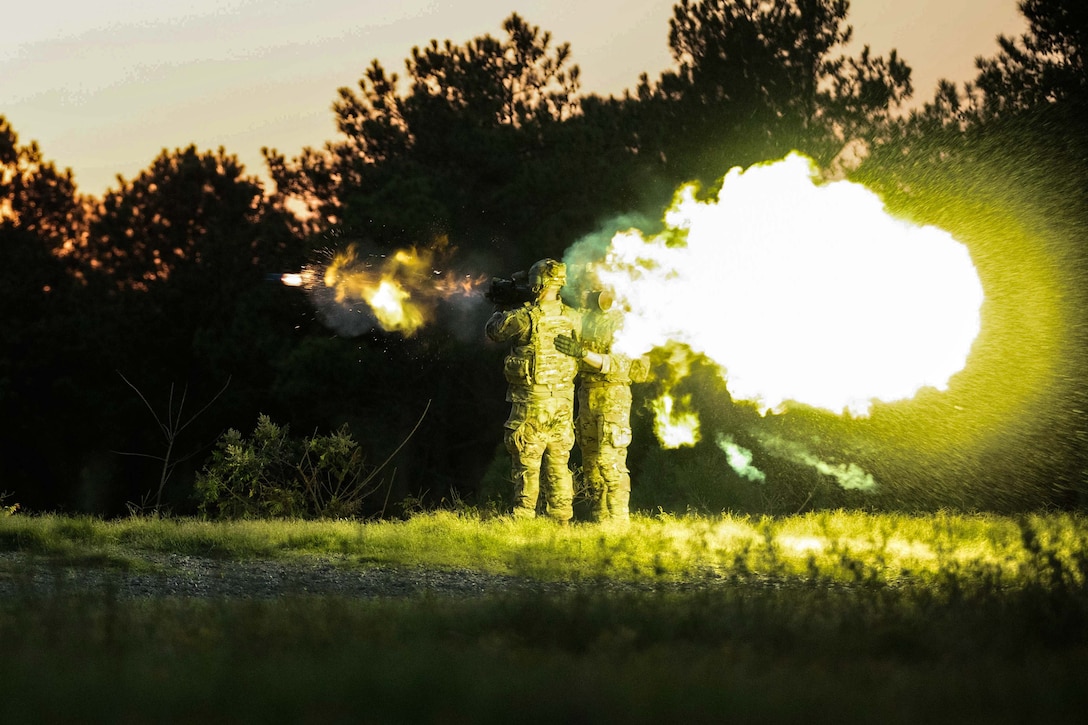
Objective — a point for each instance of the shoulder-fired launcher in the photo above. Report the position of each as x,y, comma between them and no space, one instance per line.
510,292
515,291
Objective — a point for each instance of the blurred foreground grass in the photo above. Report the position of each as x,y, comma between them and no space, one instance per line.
827,617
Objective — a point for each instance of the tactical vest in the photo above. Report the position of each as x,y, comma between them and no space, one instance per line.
598,329
537,362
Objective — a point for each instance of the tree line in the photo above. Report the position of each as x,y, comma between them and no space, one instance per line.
126,312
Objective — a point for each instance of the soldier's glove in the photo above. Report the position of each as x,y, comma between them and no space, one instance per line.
569,345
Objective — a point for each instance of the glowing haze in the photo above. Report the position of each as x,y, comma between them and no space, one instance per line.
799,290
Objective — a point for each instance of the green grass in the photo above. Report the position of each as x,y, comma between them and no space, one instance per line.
838,545
827,617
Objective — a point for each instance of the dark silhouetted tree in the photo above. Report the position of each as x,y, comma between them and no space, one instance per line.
452,154
757,79
189,212
45,333
36,197
1045,65
180,253
1042,70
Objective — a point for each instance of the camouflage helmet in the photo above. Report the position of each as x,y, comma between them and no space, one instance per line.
547,273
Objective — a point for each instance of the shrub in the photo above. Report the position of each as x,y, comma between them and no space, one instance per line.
273,475
7,509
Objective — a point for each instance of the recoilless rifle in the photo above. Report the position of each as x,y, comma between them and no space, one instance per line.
514,291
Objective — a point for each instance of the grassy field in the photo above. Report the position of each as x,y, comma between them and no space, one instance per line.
827,617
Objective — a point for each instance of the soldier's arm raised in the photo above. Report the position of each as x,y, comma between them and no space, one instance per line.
570,345
506,325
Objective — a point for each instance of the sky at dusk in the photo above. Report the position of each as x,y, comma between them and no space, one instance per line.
104,87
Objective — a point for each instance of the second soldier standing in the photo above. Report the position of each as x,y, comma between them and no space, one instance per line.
603,426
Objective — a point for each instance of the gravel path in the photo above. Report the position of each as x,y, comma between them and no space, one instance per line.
195,576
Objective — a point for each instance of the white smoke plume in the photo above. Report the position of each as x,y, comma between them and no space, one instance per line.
848,475
740,459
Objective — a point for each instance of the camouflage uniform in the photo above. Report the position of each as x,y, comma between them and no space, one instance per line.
540,389
603,427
